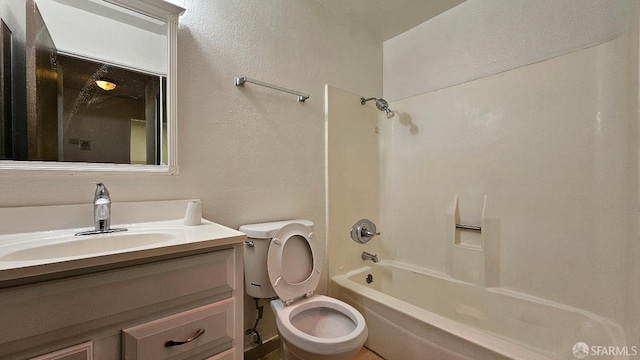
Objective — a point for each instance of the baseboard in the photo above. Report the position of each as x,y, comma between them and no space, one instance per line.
262,350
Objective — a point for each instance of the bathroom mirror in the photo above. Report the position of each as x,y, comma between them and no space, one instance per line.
88,85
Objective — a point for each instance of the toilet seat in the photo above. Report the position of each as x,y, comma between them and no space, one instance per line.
293,262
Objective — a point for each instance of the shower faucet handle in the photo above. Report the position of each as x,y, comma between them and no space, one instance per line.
363,231
366,232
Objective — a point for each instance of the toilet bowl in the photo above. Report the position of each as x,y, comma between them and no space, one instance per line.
320,327
283,259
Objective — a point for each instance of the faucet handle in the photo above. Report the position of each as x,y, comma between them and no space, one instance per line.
363,231
368,233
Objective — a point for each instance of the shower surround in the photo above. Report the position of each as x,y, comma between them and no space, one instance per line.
543,156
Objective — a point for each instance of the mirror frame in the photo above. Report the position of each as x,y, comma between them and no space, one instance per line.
161,10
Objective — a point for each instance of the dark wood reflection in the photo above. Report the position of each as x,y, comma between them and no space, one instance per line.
6,118
42,89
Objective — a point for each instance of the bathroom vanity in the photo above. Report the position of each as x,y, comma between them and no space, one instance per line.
72,298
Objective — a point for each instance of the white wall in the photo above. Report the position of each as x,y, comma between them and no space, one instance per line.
251,154
552,145
356,139
480,38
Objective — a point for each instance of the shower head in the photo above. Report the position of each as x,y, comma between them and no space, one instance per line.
381,104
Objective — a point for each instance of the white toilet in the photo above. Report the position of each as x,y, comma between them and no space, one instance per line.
282,259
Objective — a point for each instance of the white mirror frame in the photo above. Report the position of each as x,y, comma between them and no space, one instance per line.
161,10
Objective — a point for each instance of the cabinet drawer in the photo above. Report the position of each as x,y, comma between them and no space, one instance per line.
160,339
78,352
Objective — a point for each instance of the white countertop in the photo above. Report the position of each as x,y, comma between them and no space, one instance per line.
37,254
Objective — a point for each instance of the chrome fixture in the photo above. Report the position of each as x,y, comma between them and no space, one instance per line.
363,231
101,208
239,81
468,227
381,104
101,212
367,256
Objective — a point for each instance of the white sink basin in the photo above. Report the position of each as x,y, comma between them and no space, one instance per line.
38,248
73,246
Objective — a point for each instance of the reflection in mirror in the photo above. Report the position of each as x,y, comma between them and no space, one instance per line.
109,114
6,128
84,81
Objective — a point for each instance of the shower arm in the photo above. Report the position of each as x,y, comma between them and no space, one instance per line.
381,104
363,100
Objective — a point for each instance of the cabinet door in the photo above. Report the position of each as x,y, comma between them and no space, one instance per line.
79,352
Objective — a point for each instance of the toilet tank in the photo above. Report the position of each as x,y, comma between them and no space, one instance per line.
256,248
256,277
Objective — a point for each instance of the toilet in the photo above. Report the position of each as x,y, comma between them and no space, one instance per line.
282,261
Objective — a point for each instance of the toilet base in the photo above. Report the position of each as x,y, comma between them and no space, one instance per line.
287,355
298,354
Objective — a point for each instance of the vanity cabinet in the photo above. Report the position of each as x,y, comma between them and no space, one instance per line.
78,352
131,310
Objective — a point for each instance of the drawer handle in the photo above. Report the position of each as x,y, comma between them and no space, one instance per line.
171,343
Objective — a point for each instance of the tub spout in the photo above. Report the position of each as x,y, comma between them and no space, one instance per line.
367,256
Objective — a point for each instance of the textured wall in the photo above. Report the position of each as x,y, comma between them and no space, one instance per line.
251,154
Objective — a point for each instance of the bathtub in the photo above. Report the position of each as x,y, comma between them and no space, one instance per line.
413,313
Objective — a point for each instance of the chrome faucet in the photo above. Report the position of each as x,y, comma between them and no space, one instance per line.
101,212
101,208
367,256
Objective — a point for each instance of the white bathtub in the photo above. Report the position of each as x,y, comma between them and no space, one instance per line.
412,313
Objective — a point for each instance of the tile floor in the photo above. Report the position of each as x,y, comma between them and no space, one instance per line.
366,354
363,354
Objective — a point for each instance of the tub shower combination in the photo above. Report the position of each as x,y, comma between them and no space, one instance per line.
417,313
413,313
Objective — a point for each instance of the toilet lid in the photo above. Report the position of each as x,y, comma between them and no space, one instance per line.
294,262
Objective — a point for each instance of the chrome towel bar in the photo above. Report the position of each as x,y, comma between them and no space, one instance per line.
468,227
239,81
